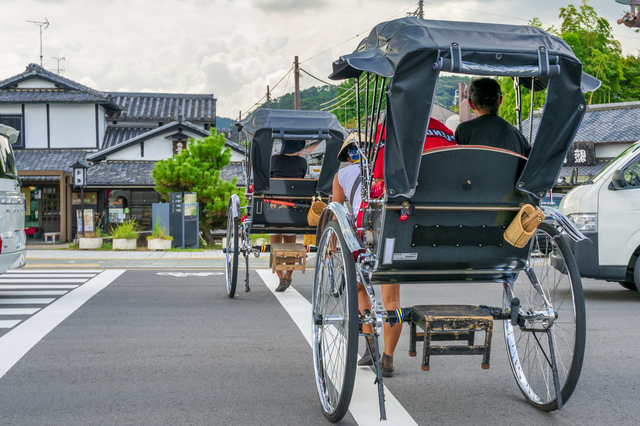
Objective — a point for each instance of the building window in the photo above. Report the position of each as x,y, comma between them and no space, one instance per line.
15,121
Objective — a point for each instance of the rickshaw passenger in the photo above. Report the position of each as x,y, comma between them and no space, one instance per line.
287,164
488,128
348,181
438,135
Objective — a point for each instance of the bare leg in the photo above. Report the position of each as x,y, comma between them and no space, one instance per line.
364,303
391,299
277,239
288,239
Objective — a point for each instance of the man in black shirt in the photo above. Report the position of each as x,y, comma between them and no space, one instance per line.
289,163
488,128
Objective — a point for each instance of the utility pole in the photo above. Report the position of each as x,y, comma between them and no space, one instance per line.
421,9
239,120
44,24
268,98
296,74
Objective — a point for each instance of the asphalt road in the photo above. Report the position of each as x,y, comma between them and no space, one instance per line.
167,347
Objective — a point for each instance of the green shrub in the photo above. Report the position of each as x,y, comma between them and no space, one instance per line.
127,230
159,233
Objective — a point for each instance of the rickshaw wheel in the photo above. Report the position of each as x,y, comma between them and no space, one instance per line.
528,343
231,252
335,323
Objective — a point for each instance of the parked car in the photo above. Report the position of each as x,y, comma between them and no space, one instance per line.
12,205
607,210
550,200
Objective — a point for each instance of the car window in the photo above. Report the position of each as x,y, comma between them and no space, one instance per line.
632,174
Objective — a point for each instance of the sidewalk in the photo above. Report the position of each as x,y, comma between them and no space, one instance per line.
59,256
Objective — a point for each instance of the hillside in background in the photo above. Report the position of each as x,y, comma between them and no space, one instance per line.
317,98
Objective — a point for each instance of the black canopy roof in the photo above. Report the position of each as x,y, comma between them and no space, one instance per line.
264,125
412,52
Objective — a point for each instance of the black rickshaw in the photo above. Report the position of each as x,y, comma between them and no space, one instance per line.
280,205
444,214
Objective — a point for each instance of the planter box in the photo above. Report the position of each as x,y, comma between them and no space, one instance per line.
89,243
124,244
158,244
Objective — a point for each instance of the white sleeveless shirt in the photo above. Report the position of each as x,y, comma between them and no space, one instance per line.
346,178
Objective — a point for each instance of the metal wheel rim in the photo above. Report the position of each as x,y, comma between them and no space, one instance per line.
330,338
230,250
527,349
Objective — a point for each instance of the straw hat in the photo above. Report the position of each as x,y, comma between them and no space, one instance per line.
342,154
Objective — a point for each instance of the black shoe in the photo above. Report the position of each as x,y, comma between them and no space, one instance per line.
386,365
284,283
367,358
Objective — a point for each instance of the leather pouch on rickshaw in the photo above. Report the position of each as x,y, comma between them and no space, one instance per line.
522,228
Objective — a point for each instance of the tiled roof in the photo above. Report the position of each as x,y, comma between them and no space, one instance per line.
603,123
165,107
139,173
108,146
65,92
48,159
118,134
589,171
121,173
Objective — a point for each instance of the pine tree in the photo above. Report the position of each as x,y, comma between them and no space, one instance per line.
197,169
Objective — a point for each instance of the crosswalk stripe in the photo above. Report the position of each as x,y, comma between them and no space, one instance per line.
43,280
22,276
32,293
55,271
36,286
18,311
26,301
8,323
18,341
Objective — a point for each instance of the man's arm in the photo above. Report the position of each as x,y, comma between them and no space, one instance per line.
338,193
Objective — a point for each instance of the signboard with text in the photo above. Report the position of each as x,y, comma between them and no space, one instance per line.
581,154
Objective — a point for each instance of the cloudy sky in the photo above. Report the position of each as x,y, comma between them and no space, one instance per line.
230,48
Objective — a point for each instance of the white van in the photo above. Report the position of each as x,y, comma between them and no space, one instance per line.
607,210
12,205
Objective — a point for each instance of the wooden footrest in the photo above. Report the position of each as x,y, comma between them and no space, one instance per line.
288,257
450,323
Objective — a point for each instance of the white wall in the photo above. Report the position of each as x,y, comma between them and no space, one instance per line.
36,83
236,157
11,109
156,148
73,126
102,123
35,120
610,150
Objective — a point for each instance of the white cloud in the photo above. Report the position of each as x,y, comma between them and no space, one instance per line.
233,49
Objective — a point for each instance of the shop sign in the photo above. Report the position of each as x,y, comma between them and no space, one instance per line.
89,198
581,154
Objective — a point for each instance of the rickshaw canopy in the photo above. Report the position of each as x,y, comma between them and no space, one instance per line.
411,52
264,125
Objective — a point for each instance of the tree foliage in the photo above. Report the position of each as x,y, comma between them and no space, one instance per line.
197,169
591,39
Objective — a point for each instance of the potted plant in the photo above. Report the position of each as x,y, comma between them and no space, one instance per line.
159,240
125,235
93,240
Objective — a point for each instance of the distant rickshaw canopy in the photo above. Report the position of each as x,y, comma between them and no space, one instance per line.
264,125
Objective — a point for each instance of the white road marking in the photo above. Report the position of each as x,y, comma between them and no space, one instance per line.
36,287
26,301
18,311
17,342
32,293
8,323
39,275
364,403
44,280
55,271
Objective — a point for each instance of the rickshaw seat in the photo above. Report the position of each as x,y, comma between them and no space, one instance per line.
276,217
465,198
